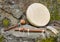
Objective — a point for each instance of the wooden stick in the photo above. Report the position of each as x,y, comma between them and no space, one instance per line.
11,28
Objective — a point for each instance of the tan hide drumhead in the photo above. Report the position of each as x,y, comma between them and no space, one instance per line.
38,14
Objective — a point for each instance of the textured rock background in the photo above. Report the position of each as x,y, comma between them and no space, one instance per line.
52,5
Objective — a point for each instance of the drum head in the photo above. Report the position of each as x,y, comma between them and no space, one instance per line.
38,14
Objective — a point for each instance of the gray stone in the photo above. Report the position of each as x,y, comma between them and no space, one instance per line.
26,34
14,10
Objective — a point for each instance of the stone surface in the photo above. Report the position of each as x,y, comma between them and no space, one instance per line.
9,16
23,5
26,34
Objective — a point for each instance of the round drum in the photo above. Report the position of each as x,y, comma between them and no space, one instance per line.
38,14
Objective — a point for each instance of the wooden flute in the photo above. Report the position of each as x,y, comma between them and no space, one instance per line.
29,30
